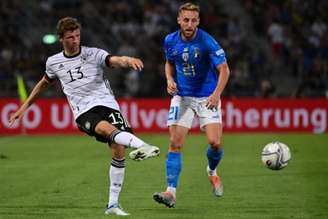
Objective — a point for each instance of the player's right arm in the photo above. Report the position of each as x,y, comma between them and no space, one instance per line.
125,62
42,85
169,66
169,73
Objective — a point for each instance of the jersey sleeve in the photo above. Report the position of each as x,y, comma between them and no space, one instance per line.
100,57
50,74
168,50
216,53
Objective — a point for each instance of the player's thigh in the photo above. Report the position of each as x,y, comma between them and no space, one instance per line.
88,121
104,128
213,133
181,112
177,135
211,122
208,116
101,121
116,119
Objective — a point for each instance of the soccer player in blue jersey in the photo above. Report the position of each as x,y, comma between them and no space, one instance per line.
197,73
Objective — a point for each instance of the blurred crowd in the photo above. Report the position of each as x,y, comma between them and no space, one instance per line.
274,48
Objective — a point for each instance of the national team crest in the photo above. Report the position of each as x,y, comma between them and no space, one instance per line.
196,53
83,58
185,54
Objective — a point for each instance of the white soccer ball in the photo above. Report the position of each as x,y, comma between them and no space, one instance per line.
275,155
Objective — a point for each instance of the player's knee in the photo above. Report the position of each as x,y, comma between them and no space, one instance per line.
104,128
101,131
215,144
175,142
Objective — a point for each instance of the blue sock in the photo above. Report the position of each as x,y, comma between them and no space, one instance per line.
214,157
173,168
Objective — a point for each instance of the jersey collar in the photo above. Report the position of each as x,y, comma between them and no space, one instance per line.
73,56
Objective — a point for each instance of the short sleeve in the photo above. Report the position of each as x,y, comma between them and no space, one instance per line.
168,50
50,74
100,56
216,53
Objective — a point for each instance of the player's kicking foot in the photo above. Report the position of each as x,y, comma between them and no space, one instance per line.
116,210
216,183
166,198
144,152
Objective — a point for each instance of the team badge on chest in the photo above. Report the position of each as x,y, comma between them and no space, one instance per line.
185,54
196,52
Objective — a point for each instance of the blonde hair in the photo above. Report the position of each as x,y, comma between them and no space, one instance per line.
189,7
67,24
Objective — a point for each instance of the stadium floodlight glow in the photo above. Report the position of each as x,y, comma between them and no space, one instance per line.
49,39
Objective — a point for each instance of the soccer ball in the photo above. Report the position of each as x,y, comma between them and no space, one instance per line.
275,155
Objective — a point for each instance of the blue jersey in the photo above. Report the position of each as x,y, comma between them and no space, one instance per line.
195,63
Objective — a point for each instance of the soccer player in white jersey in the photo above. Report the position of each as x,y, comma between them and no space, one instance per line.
197,72
80,72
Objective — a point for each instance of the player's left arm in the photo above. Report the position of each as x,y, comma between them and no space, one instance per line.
218,59
125,62
224,72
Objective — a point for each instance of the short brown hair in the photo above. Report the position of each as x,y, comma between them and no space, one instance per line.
67,24
189,7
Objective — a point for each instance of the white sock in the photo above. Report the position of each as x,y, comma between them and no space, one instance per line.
172,190
126,139
116,178
212,172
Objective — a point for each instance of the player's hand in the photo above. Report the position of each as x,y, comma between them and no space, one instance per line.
17,115
171,87
213,101
135,63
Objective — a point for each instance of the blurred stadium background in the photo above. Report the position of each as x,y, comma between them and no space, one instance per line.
274,48
278,56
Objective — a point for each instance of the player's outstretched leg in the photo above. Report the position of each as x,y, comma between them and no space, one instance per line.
116,210
166,198
144,152
215,181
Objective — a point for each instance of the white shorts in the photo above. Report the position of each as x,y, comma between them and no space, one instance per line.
183,110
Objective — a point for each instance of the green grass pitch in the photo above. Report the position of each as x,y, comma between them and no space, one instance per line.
67,177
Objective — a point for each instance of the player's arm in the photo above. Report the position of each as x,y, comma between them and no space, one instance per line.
224,72
42,85
169,73
125,62
214,98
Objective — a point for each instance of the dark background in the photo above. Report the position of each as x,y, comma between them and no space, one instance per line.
273,48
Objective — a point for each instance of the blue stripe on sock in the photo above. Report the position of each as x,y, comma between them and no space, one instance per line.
173,168
214,157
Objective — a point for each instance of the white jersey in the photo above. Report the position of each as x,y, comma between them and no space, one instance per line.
82,79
